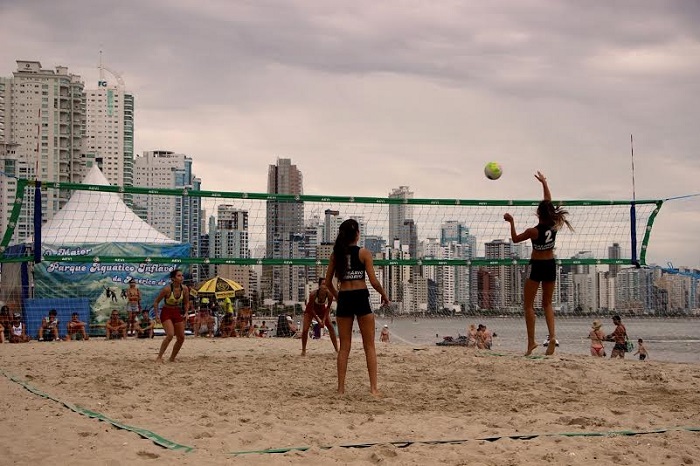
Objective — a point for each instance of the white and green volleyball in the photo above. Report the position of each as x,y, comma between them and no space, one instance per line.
493,170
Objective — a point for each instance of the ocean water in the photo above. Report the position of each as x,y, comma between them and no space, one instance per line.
666,339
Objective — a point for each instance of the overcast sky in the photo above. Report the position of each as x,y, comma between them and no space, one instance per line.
365,96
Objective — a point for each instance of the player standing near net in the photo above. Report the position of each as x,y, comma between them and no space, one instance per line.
177,302
318,307
350,264
543,268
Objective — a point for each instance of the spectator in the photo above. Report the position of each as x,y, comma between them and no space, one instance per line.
5,321
384,335
471,336
484,339
227,325
597,336
75,328
619,336
49,327
144,325
18,332
115,327
133,305
641,350
204,317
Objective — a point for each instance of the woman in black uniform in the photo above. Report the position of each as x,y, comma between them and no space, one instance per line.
350,264
543,268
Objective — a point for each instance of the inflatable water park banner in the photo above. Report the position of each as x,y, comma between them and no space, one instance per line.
105,284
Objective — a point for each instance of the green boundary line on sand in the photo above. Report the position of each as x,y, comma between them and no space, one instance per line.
147,434
407,443
160,441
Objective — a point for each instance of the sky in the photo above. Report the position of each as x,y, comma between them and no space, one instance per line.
366,96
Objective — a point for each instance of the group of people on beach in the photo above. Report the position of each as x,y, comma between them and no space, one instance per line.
618,336
351,266
479,337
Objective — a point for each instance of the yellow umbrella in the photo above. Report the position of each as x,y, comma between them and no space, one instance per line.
219,287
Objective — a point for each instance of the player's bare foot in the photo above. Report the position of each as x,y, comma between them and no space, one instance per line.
160,360
551,346
375,393
530,348
303,352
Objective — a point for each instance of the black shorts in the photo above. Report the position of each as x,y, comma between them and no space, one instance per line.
543,270
353,303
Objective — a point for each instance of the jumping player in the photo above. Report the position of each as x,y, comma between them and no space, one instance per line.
543,268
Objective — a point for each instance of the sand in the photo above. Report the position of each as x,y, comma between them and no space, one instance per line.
232,395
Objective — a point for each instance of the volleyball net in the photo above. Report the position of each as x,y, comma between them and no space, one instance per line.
260,228
428,252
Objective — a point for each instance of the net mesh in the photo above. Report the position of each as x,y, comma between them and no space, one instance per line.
441,256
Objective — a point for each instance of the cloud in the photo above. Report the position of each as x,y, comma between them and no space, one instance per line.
403,92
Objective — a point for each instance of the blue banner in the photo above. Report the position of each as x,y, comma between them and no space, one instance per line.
105,284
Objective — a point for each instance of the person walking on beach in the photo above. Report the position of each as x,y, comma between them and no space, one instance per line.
641,350
619,336
177,300
318,307
597,336
350,265
384,335
543,268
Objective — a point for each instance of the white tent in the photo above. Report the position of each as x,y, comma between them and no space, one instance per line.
98,217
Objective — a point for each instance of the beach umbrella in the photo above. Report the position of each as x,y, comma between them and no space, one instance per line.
219,288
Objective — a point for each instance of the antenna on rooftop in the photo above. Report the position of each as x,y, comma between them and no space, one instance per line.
102,82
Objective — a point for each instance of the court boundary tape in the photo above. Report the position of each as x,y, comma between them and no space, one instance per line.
407,443
144,433
170,445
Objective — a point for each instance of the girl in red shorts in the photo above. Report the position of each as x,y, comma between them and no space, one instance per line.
176,297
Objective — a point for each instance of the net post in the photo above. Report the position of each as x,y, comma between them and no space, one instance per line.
633,235
37,222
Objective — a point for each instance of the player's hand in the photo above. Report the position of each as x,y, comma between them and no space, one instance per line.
507,217
540,177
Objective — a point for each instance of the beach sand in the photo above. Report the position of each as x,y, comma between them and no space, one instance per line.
232,395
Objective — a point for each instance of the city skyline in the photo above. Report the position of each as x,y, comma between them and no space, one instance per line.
419,96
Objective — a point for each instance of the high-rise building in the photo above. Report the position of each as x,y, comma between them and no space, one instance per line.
284,235
503,282
229,238
398,213
109,138
178,217
614,252
42,126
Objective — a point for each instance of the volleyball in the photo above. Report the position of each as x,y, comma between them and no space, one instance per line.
493,170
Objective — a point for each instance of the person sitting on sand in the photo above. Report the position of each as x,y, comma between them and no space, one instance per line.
5,321
484,339
115,327
471,336
18,331
227,325
144,325
204,317
75,328
597,336
49,327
